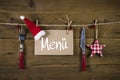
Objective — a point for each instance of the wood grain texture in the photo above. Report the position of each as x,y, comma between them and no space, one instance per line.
105,32
60,67
69,73
62,5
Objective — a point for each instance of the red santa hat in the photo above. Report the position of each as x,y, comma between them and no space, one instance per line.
36,31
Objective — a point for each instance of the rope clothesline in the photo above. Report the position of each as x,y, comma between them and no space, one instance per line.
73,25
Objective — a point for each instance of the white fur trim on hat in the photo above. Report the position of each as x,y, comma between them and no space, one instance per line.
22,17
39,35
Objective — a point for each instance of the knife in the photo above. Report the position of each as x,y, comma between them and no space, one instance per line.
82,45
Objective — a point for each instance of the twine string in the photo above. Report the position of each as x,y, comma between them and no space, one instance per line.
64,25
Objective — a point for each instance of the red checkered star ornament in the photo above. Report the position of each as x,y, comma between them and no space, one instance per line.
96,48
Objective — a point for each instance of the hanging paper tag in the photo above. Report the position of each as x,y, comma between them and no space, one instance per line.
56,42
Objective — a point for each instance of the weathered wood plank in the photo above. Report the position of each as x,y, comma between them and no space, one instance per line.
80,11
106,31
60,67
93,72
51,18
70,60
62,5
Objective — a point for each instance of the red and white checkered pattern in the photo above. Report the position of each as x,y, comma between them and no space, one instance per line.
96,48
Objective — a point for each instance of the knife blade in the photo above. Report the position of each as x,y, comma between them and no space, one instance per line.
82,45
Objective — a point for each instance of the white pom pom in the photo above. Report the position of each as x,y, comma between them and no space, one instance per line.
22,17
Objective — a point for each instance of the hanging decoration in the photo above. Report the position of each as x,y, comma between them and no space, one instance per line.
21,50
36,31
96,47
56,42
82,45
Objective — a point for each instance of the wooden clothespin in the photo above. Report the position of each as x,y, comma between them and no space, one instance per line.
36,22
69,27
94,26
96,47
68,22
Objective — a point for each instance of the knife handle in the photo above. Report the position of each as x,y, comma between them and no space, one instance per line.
21,60
83,62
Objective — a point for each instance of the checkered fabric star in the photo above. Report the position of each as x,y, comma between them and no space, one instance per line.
96,48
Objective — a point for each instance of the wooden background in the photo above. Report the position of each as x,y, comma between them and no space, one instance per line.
60,67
